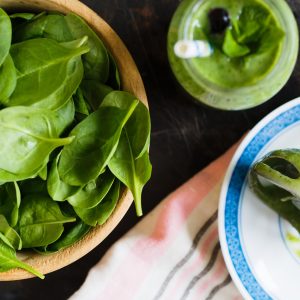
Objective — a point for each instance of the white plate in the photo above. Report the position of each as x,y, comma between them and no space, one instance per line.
261,251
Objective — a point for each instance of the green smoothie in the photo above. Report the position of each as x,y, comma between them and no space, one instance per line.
254,49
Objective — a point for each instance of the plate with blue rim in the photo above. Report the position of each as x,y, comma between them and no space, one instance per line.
261,250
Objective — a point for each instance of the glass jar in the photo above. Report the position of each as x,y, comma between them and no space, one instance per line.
233,97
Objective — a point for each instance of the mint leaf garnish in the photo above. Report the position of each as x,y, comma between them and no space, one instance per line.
231,47
271,38
251,24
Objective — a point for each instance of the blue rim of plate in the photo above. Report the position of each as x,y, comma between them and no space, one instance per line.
232,189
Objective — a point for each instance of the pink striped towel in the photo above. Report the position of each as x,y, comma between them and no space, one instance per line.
173,253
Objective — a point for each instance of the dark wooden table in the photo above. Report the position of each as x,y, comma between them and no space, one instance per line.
185,135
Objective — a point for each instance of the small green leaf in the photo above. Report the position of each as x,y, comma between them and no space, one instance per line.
64,116
231,47
65,29
47,25
8,261
43,173
8,79
47,82
57,189
138,125
6,32
41,221
251,24
100,213
28,136
92,193
270,39
133,172
80,104
96,61
6,176
25,16
70,236
10,199
10,234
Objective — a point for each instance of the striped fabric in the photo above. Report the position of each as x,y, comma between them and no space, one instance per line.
173,253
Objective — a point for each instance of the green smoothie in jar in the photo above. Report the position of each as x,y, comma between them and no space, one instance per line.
251,48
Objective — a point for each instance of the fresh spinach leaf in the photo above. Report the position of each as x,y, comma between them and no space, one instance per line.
18,21
10,199
25,16
96,61
49,81
133,172
138,126
28,136
6,176
43,173
48,25
100,213
70,236
58,189
64,116
80,104
40,221
8,79
5,35
130,163
8,261
67,28
94,92
5,240
94,144
92,193
10,234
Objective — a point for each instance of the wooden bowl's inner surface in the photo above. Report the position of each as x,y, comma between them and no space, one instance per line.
131,82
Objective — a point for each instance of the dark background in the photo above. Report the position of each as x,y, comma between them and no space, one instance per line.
185,135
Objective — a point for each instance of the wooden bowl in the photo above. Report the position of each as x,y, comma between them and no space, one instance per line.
131,82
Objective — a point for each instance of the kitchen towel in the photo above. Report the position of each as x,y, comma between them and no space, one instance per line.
173,253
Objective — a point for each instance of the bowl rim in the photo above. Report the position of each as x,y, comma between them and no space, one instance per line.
131,81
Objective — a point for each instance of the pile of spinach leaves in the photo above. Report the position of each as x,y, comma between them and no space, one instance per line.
69,137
